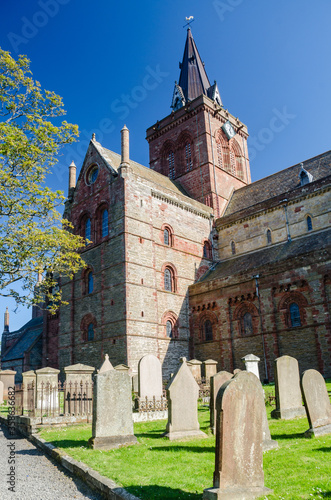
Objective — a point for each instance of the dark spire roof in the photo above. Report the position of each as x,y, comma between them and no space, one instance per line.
193,77
193,80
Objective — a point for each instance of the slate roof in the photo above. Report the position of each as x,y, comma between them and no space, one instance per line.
193,78
114,161
30,332
251,262
277,184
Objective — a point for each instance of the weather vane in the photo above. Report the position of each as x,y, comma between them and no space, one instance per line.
189,21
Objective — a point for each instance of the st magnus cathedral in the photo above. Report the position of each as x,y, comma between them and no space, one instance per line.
188,257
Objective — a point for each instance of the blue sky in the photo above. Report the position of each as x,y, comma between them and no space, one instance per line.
271,61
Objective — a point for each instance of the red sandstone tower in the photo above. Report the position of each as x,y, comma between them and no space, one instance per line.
200,144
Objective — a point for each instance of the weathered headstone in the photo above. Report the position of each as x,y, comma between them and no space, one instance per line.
287,389
112,424
238,455
195,367
150,377
47,380
106,365
317,402
122,368
78,373
252,364
216,382
8,379
182,395
209,368
1,392
28,378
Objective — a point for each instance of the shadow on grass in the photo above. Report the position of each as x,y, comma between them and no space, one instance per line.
298,435
161,493
150,434
182,447
69,443
324,448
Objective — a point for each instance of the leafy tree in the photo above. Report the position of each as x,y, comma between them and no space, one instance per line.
33,237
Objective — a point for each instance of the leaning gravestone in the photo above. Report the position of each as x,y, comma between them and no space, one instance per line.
150,377
1,392
216,383
238,455
317,403
182,395
112,424
287,389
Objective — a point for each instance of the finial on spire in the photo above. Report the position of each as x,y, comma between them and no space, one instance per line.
189,20
93,136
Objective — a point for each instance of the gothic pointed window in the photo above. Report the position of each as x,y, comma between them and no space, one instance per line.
269,237
104,223
90,282
90,332
171,164
188,157
169,329
219,155
167,280
88,229
207,253
295,314
309,224
208,330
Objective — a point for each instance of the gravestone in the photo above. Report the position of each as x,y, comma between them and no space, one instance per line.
150,377
106,365
112,424
317,402
28,378
216,382
252,364
135,384
122,368
195,367
182,395
287,389
78,373
47,380
1,392
209,368
8,379
238,454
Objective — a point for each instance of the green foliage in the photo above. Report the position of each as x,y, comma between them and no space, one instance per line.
33,237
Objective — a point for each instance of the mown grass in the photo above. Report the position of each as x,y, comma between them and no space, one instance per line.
159,469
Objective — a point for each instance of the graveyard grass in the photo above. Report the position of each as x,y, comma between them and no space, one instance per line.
159,469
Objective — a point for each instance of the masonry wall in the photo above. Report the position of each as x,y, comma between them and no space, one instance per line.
304,281
150,208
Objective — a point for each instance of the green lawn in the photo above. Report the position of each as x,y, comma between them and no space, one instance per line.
159,469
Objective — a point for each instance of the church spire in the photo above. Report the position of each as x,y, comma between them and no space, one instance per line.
193,80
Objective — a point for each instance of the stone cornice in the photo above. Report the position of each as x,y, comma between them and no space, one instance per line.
177,203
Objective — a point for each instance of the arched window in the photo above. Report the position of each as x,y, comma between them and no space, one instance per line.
188,157
268,236
233,248
309,223
90,282
208,330
248,323
232,161
169,329
295,314
166,237
104,223
88,229
168,280
90,332
207,250
171,164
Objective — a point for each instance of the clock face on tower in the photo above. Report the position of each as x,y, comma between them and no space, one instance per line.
229,130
